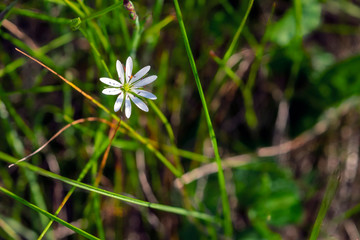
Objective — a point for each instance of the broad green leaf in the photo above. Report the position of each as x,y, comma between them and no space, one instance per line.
284,30
269,193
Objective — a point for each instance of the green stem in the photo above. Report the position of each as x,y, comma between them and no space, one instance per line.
136,37
298,18
325,204
221,178
237,34
36,15
349,213
170,133
103,11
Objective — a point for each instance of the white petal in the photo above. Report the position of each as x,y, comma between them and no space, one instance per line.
110,82
140,104
127,106
129,67
145,94
120,71
111,91
145,81
140,74
119,102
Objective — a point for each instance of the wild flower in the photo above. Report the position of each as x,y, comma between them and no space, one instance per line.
130,87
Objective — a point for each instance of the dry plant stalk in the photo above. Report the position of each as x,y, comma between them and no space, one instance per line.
81,120
106,154
66,81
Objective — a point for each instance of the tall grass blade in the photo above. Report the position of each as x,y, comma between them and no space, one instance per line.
221,178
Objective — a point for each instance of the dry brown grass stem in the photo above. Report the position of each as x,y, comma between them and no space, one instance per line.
81,120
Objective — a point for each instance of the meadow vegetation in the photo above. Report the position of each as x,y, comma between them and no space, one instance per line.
254,132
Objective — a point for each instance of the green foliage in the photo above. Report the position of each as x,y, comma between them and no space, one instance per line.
284,30
268,192
339,81
233,77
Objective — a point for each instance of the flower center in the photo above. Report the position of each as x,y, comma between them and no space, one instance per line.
126,87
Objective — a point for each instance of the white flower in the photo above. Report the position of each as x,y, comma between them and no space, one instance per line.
129,87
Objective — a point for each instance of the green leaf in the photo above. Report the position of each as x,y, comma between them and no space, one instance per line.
282,206
338,82
284,31
269,193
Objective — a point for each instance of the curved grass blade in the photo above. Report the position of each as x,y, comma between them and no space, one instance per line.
81,120
47,214
165,208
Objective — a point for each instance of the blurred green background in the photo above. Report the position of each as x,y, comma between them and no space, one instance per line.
283,102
